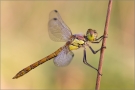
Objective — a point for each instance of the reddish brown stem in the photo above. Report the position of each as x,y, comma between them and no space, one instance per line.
103,45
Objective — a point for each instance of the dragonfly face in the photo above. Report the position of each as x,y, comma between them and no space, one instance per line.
91,35
59,31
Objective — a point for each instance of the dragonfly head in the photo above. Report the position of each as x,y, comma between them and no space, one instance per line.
91,35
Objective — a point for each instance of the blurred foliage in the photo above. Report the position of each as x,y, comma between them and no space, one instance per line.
25,39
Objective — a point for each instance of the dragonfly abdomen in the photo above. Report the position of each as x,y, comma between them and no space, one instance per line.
34,65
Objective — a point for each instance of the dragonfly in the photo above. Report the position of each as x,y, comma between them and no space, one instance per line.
60,32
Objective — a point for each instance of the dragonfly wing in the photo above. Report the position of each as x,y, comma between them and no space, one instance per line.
58,30
64,57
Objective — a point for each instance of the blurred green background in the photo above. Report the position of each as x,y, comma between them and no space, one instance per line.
25,39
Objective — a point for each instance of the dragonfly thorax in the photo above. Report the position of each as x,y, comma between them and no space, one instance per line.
77,42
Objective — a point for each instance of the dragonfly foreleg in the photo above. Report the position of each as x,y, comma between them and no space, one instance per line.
85,62
100,39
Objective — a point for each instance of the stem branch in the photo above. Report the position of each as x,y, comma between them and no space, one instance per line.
103,45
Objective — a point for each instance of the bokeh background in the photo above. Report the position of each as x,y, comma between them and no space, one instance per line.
25,39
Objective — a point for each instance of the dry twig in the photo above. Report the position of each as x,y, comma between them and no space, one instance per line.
103,45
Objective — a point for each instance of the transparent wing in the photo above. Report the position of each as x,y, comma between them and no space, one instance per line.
58,31
63,58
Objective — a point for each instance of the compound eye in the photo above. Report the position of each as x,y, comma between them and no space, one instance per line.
95,32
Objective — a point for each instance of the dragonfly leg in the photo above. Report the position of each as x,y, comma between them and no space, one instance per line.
94,52
85,62
100,39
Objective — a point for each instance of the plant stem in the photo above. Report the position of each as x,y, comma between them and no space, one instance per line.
103,45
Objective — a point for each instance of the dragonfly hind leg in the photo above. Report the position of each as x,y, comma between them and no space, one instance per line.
85,62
